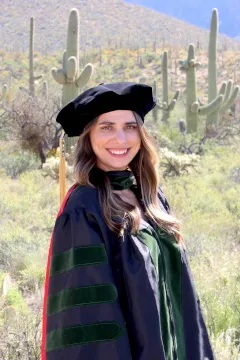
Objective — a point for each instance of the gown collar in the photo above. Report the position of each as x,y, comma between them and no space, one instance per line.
119,179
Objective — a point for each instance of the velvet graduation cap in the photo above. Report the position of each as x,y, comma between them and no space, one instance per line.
105,98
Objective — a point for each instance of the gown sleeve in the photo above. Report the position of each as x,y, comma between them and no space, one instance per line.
83,318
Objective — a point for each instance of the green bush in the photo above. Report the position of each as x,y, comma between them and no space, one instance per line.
16,163
15,299
219,290
28,209
33,275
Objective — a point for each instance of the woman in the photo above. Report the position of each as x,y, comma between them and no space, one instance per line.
118,284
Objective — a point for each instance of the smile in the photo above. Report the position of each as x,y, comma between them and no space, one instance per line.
121,153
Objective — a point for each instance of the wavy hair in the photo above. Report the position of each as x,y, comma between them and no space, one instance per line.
117,213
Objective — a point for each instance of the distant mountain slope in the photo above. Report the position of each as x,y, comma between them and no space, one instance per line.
102,21
198,12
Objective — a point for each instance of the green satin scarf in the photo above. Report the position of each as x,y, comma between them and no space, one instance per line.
119,179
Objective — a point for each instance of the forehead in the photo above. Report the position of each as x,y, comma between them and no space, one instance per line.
119,116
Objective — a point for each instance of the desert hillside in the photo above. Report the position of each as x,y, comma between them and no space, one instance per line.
105,22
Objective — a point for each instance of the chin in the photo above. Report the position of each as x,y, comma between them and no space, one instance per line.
112,167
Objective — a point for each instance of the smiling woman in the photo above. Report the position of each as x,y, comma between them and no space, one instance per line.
118,283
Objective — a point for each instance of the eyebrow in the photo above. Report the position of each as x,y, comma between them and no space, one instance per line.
112,123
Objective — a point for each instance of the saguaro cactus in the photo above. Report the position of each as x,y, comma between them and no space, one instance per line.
68,75
155,109
32,78
193,107
165,105
231,92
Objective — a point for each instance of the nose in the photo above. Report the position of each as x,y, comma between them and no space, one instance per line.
120,136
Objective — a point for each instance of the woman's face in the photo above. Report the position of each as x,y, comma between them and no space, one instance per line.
115,139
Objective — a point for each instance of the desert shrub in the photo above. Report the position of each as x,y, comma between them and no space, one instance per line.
31,278
177,165
31,121
21,338
149,57
51,168
225,346
207,202
27,211
217,277
16,163
15,299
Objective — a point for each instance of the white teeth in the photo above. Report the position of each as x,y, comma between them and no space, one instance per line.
118,152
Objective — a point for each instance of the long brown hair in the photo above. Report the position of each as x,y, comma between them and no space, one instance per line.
145,169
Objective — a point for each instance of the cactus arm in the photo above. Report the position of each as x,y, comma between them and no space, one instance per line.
174,100
231,100
193,63
228,91
183,65
85,76
172,105
59,76
222,89
38,77
176,96
65,61
212,106
71,69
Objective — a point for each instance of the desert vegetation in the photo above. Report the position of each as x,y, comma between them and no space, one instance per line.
199,168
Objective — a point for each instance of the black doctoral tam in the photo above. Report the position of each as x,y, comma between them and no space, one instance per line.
105,98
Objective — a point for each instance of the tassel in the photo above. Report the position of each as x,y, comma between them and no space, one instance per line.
62,169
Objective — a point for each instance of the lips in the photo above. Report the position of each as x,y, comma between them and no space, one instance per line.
118,155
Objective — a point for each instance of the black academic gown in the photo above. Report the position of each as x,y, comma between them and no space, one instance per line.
102,293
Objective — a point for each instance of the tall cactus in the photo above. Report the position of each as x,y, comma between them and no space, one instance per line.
193,107
32,78
68,75
166,106
231,92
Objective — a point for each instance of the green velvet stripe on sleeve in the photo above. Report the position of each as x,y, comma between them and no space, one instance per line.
83,295
78,256
83,334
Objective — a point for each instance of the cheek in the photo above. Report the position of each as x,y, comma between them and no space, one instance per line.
97,140
134,138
